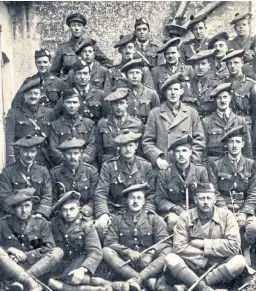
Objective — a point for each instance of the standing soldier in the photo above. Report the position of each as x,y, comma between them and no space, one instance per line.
118,120
30,118
220,122
170,121
204,236
71,124
249,68
26,172
29,244
141,98
75,175
65,55
144,45
200,41
132,232
175,186
219,42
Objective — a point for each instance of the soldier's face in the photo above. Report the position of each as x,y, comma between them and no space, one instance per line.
199,30
171,55
242,27
71,105
24,210
43,64
82,77
235,145
119,107
223,100
69,211
32,97
88,54
28,154
201,67
134,76
205,201
142,32
182,154
77,29
136,201
127,51
235,66
128,150
173,93
221,48
72,156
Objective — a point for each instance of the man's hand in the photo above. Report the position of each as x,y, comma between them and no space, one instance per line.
39,215
18,254
78,275
145,260
197,243
134,256
241,219
177,210
103,221
162,163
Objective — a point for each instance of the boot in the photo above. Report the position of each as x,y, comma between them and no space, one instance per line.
161,284
218,275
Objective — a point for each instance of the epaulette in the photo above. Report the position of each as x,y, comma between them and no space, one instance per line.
250,79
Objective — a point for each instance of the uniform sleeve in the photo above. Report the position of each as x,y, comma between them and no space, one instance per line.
155,100
160,232
151,178
89,152
10,136
57,63
147,78
55,194
247,150
183,55
6,188
155,77
160,59
99,144
101,57
54,142
108,83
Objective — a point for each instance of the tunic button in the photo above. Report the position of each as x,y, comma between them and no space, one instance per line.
135,238
130,177
86,187
135,229
235,175
66,235
9,237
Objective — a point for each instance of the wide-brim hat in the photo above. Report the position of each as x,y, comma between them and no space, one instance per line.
31,84
171,42
236,131
127,136
240,16
133,64
173,79
220,36
119,93
71,143
233,54
85,43
203,54
143,187
176,29
124,39
185,140
195,20
65,198
220,88
21,195
29,141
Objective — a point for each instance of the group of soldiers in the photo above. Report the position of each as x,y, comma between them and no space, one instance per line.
132,176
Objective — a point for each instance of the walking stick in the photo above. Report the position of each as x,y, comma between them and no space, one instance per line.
187,198
40,283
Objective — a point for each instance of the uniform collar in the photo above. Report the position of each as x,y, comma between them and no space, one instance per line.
221,114
194,216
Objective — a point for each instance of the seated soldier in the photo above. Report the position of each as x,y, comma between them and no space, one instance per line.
80,243
234,177
118,120
131,233
204,236
71,124
116,174
175,186
74,174
26,172
28,241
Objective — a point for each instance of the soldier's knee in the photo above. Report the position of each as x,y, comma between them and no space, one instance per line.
250,230
57,253
171,220
171,260
108,254
236,265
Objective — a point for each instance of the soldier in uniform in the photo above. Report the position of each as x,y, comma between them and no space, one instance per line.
175,186
28,242
144,45
80,243
117,79
220,122
118,120
202,83
173,119
51,86
204,236
141,98
71,124
249,68
172,64
26,172
66,56
116,175
132,232
219,42
30,118
234,177
200,41
75,175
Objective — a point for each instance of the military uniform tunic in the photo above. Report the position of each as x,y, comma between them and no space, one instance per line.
219,72
249,69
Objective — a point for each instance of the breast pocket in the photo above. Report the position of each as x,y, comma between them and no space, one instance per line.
116,188
98,83
69,59
146,236
64,133
144,107
23,127
245,179
125,237
214,137
37,183
84,133
52,94
83,187
225,182
106,137
95,109
10,239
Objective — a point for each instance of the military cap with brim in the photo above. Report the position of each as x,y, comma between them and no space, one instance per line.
133,64
175,78
140,21
176,29
220,88
85,43
76,17
70,93
205,188
137,187
29,141
119,93
79,65
203,54
233,54
42,53
241,16
127,136
171,42
236,131
185,140
71,196
220,36
253,43
31,84
21,195
71,143
195,20
124,39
